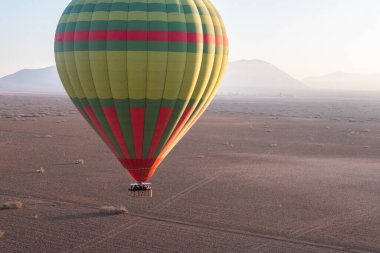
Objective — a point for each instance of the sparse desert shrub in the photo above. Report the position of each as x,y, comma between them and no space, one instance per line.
112,210
11,205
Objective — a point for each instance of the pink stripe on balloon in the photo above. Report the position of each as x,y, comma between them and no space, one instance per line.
140,35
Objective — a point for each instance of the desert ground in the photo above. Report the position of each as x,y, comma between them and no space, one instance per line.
283,173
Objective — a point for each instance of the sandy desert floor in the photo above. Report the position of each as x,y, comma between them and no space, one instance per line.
258,174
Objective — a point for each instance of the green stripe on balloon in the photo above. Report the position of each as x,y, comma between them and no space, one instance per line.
154,46
123,110
96,106
134,103
152,108
133,6
124,115
126,25
179,106
81,104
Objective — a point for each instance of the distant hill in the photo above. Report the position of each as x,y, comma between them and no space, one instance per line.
250,76
344,81
44,80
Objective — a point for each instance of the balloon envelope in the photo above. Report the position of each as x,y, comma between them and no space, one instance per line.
141,72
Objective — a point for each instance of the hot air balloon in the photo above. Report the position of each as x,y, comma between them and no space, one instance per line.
141,72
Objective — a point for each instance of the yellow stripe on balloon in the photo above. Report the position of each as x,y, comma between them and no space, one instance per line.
133,15
125,78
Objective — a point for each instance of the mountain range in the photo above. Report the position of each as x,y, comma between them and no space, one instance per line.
45,80
242,77
250,76
345,81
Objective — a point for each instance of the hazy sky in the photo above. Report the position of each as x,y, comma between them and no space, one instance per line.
302,37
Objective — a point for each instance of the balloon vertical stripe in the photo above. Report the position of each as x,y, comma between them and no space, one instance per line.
113,121
162,122
137,121
99,128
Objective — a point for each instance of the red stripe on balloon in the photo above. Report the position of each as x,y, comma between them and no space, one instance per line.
137,121
84,115
187,122
196,117
134,164
140,169
221,40
140,35
181,123
90,113
161,124
113,121
185,116
215,39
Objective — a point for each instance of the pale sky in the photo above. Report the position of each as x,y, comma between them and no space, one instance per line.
301,37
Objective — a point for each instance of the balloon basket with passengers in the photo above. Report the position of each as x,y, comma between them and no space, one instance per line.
140,190
141,73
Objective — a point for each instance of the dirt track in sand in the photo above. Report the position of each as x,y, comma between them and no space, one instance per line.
255,175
